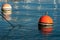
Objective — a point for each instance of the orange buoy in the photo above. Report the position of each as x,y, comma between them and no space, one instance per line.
46,19
6,11
45,24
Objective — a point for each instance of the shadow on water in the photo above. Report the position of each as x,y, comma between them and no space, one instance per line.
9,31
39,26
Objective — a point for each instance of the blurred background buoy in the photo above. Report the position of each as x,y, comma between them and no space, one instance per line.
45,24
6,11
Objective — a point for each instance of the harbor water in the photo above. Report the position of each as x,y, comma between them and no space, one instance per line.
24,20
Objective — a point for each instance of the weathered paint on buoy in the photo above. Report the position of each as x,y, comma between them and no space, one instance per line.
45,24
6,11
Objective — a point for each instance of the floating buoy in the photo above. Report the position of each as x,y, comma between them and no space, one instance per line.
6,11
45,24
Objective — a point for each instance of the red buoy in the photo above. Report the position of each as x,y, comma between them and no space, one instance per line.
45,24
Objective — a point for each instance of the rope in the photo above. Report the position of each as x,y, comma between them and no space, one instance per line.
9,29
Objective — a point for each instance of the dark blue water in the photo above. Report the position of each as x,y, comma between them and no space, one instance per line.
25,16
